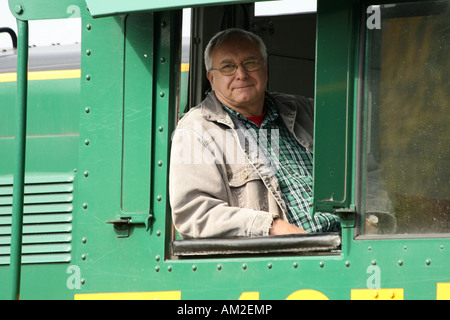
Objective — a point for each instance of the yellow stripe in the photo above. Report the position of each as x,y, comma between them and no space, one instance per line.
56,74
184,67
43,75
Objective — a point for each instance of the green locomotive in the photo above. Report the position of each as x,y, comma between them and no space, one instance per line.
87,145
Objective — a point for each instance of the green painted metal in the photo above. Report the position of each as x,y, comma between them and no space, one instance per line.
46,9
168,43
128,98
112,128
332,132
51,153
19,159
137,118
106,8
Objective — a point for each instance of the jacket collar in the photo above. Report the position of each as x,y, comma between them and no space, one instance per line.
211,110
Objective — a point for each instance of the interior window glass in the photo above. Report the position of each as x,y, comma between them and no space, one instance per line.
406,132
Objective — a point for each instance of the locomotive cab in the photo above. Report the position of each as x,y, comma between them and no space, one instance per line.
378,73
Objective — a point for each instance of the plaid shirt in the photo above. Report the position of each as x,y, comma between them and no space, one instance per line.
293,169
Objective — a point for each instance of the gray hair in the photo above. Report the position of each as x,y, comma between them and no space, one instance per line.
230,33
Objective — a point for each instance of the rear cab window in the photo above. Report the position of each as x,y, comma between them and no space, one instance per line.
405,134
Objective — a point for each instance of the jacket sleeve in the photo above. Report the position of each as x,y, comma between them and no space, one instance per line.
199,194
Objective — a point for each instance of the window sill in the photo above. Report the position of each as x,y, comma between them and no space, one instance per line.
300,243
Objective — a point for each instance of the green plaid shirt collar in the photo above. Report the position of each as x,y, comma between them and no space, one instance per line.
271,115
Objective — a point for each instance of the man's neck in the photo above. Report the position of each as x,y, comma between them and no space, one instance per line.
250,110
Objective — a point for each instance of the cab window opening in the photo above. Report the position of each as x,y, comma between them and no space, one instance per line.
290,70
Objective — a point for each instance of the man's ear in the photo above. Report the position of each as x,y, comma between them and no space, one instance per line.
210,76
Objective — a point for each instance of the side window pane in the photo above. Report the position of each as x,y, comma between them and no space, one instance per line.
406,132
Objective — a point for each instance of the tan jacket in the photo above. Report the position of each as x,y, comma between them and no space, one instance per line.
216,188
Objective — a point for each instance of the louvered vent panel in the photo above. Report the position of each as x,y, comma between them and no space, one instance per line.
47,222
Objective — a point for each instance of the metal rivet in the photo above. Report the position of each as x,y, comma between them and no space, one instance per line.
163,24
269,265
158,233
157,268
85,205
347,263
86,142
160,163
84,240
87,109
160,128
374,262
162,94
375,294
428,262
88,77
244,266
157,257
83,281
163,60
86,174
392,294
83,256
194,267
158,198
88,52
219,267
400,262
88,26
169,268
295,265
18,9
321,264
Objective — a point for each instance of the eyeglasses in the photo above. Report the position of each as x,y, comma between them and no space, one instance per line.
229,69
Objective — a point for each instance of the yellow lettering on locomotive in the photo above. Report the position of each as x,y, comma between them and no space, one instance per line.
377,294
155,295
253,295
443,291
307,294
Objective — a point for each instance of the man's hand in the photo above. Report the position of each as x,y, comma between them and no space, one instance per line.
280,227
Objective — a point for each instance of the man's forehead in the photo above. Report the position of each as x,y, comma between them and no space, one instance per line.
236,49
234,59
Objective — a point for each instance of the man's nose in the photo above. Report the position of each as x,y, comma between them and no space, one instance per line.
241,73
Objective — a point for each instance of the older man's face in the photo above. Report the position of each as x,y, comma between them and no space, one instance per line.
242,91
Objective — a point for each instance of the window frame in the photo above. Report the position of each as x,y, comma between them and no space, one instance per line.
310,244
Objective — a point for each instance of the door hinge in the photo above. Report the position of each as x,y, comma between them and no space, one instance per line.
347,216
